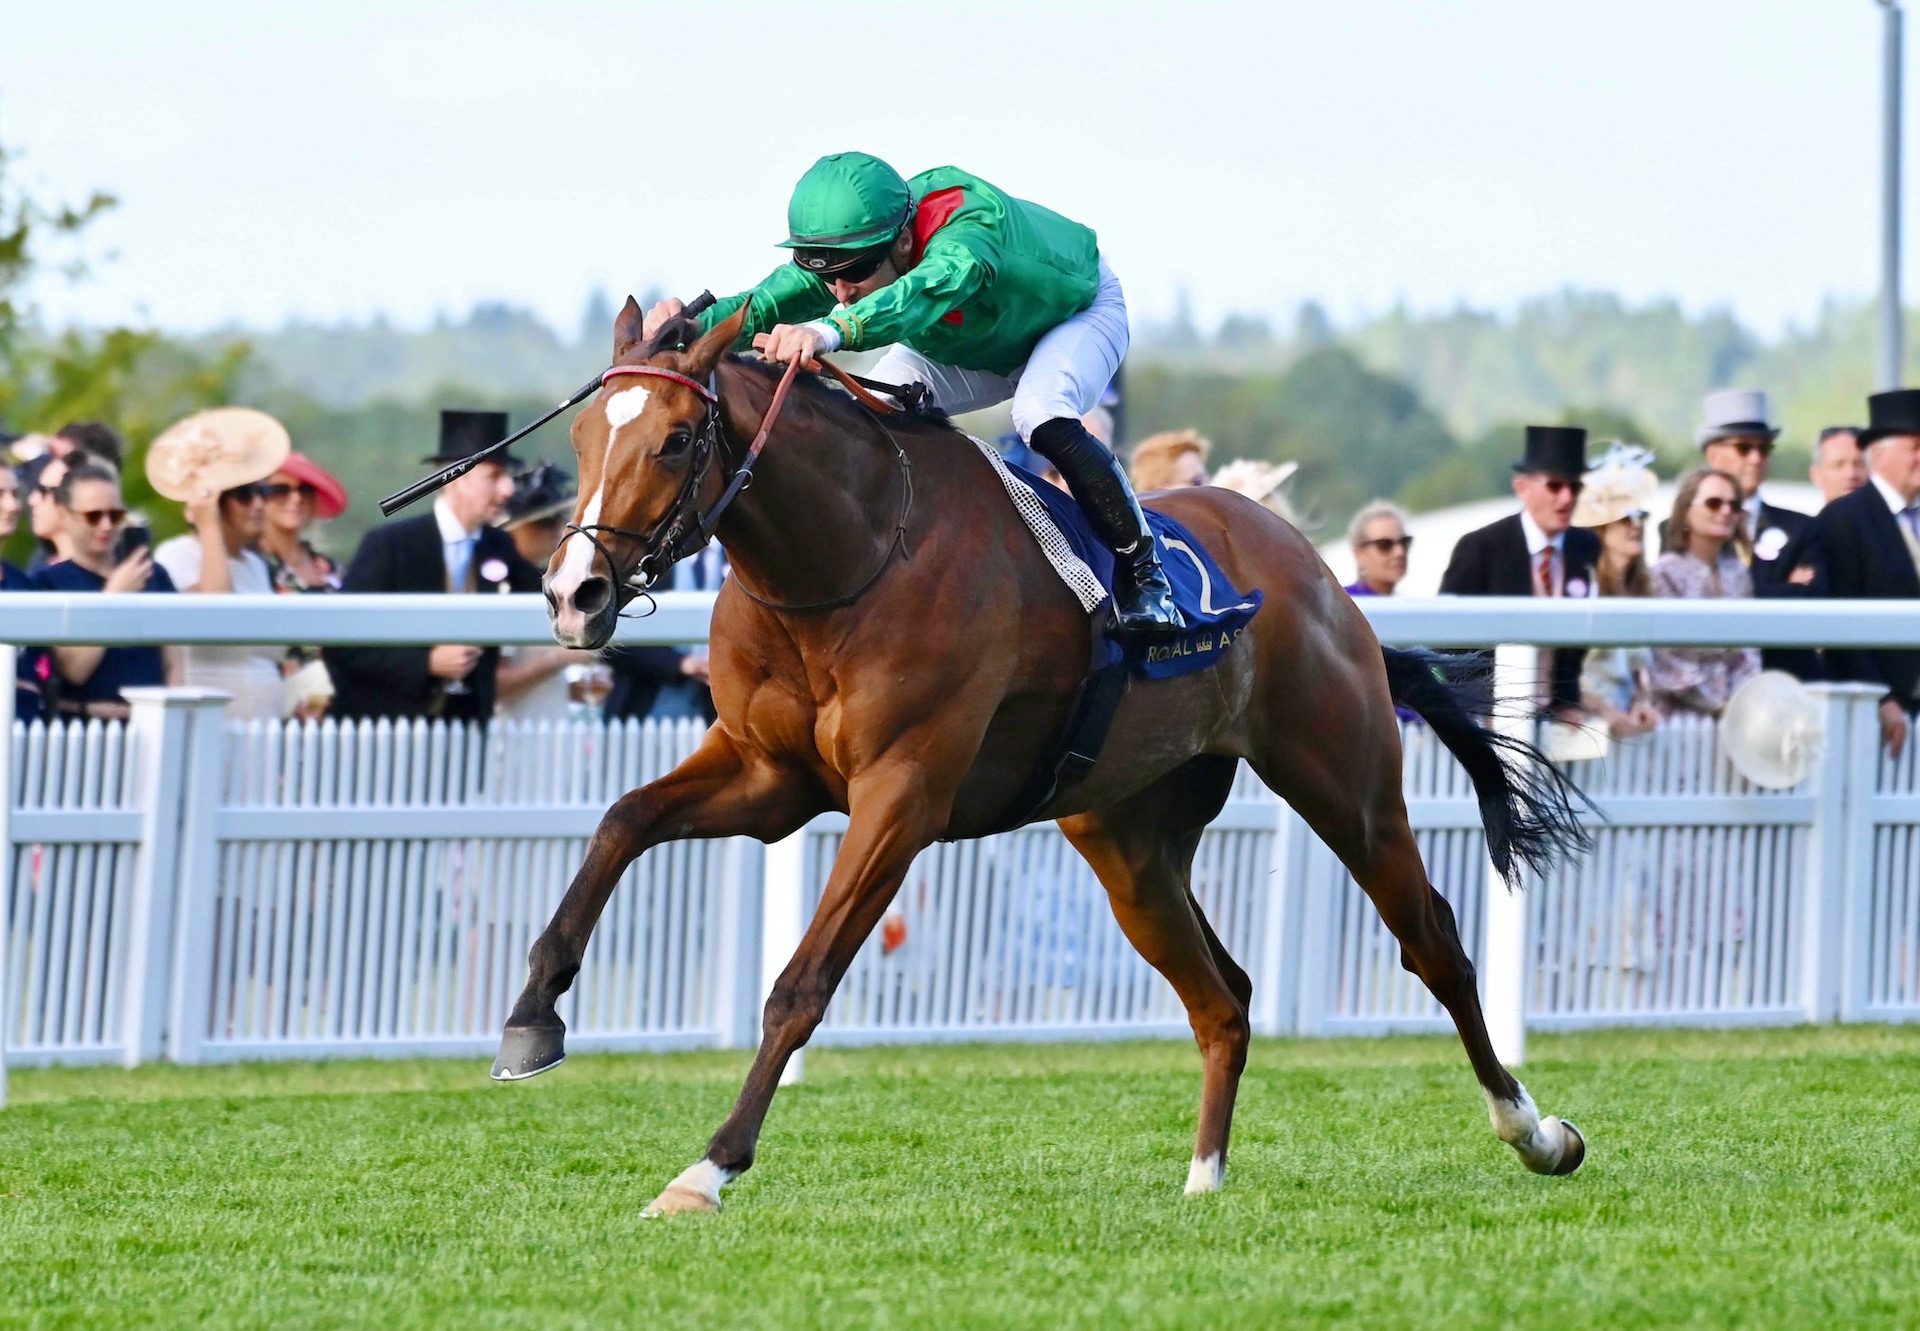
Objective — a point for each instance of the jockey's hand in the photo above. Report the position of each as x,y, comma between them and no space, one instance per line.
656,318
788,343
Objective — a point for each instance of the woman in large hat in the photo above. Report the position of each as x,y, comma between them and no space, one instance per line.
216,463
1615,682
982,297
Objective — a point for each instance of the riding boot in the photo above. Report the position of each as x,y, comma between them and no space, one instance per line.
1143,598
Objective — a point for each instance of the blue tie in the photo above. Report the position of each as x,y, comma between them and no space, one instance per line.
459,557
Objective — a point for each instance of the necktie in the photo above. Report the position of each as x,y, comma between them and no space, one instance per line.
1543,575
459,557
1911,515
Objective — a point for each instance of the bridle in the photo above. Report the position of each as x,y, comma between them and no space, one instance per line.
682,530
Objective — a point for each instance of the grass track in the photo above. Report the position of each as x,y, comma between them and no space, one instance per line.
1734,1178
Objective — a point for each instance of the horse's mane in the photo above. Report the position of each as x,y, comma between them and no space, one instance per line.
826,395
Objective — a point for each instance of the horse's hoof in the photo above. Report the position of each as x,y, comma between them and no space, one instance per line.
528,1051
681,1199
1575,1150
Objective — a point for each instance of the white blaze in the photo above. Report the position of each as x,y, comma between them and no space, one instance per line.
623,408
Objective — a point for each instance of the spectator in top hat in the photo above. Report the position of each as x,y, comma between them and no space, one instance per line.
1839,465
1537,552
455,548
1736,436
1867,545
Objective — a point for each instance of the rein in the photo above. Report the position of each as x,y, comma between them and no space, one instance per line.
672,539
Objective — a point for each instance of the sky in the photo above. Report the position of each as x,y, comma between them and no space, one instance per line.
354,158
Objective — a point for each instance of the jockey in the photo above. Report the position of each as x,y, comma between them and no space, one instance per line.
980,296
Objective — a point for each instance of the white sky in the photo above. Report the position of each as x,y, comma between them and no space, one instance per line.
354,157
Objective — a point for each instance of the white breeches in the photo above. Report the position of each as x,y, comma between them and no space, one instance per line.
1068,371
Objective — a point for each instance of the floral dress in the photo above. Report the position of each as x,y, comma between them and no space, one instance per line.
1700,679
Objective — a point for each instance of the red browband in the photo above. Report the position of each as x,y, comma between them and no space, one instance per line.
654,372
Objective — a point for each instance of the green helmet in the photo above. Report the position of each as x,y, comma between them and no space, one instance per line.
847,201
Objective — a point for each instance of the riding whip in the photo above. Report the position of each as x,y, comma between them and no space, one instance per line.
393,503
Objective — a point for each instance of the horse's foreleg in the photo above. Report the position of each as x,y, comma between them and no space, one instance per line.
718,791
891,819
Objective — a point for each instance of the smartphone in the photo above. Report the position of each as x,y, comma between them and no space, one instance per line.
133,536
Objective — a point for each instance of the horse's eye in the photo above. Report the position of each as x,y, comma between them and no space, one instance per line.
677,443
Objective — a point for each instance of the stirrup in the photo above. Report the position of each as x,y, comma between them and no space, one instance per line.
1143,605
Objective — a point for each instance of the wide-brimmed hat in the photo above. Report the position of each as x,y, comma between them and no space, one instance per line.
216,450
329,496
1554,450
1726,412
1253,478
541,492
1620,485
1896,411
464,433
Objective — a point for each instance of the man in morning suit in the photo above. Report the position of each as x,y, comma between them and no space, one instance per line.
455,548
1737,436
1867,545
1537,551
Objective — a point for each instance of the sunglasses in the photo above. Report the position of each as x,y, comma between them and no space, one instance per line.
102,517
820,263
280,490
1557,485
246,494
1386,545
1716,504
1746,448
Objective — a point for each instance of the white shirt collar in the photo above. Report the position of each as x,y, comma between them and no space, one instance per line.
1752,507
451,528
1888,493
1537,539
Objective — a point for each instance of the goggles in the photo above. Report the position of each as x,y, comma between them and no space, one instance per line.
843,265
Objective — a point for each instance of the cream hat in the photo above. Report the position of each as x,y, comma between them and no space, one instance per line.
1621,484
215,450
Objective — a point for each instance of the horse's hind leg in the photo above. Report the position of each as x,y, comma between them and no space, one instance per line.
1142,849
1362,816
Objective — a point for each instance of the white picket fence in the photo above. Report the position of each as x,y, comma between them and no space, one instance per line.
187,888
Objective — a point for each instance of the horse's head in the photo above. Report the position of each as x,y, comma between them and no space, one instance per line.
649,450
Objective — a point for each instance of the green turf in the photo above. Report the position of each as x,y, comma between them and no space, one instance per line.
1735,1178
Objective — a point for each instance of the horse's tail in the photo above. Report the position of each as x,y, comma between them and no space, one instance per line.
1530,809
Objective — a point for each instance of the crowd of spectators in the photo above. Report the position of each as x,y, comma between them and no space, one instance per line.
251,504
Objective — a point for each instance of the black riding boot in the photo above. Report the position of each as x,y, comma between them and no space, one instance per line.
1143,599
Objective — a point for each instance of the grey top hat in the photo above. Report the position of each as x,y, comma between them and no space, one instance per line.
1734,411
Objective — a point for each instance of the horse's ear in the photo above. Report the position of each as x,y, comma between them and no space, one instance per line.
626,328
703,355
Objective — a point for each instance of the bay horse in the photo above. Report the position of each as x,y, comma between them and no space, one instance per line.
893,644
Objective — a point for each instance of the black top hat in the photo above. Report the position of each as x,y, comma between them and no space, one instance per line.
464,433
541,491
1896,411
1554,450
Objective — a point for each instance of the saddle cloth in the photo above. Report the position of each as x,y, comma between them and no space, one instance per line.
1215,611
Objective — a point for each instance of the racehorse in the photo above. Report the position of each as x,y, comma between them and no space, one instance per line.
893,644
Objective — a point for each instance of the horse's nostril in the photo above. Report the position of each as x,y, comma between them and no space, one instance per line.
592,595
553,602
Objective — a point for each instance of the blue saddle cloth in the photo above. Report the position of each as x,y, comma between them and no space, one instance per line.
1216,612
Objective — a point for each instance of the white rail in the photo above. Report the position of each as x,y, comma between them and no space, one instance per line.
50,618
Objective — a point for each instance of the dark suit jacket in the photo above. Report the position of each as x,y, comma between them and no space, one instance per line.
1770,580
407,556
1493,562
1857,552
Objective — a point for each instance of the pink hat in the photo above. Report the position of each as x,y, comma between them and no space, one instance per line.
329,496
